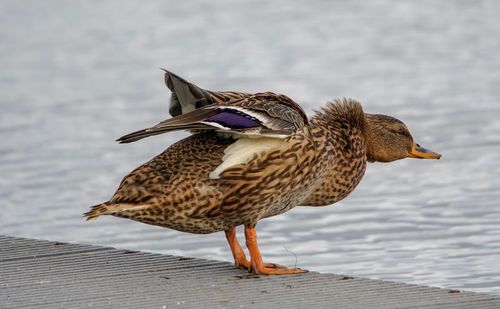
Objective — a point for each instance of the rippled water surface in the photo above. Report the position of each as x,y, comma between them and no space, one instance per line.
76,75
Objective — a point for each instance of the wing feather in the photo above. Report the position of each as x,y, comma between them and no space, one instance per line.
265,114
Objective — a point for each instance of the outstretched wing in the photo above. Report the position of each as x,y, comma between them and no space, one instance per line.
264,114
187,97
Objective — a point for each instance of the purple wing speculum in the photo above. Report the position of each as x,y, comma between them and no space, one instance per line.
234,119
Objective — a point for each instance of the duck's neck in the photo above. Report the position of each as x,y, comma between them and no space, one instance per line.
346,117
342,118
339,127
370,132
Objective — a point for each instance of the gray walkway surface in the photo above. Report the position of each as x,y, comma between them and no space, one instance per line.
44,274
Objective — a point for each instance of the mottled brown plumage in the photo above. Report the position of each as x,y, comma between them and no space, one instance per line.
319,163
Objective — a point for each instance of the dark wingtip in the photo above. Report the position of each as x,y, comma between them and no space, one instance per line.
127,140
138,135
132,137
122,139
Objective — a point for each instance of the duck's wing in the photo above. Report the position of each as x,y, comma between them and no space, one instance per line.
186,96
262,114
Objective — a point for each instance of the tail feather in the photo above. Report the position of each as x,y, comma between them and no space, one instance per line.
96,211
109,208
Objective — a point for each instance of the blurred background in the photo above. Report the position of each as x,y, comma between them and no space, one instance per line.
76,75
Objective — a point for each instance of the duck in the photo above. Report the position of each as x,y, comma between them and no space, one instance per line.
252,157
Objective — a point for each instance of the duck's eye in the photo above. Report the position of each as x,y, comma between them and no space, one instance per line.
401,131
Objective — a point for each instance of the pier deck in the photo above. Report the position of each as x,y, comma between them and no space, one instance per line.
44,274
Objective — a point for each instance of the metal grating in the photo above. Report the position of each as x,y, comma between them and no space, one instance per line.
43,274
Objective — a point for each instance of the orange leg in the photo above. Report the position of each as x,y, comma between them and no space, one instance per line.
240,260
256,263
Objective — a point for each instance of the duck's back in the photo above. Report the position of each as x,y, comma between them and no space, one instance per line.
176,186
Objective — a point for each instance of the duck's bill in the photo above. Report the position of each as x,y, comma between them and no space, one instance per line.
421,153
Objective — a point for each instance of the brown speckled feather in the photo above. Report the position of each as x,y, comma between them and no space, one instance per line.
345,122
175,186
174,189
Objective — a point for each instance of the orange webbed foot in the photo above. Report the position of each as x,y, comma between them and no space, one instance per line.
278,271
245,264
258,266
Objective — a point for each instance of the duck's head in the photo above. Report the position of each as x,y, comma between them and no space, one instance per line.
388,139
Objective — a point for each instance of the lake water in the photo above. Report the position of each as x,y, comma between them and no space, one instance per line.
76,75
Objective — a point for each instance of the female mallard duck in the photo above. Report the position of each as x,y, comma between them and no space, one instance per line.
255,157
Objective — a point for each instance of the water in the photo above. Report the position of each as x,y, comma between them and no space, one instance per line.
75,76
